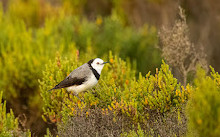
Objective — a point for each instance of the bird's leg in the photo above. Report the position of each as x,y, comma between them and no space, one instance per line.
79,98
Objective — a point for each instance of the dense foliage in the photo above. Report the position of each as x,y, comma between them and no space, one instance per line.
204,106
41,45
8,122
118,92
30,38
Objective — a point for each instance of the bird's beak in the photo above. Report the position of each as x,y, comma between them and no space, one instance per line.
105,62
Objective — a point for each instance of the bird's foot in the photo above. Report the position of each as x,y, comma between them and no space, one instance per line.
80,98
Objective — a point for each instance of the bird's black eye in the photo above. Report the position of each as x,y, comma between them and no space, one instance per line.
97,63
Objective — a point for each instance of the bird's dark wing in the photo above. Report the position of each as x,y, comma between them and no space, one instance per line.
69,81
76,77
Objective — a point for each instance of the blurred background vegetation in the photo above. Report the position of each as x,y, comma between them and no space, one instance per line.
41,41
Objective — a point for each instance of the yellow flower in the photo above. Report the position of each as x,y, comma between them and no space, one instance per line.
111,60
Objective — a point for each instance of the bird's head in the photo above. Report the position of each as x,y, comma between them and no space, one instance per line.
97,64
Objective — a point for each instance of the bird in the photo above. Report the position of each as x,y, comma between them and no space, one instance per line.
83,77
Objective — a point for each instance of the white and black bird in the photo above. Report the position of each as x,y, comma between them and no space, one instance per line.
82,78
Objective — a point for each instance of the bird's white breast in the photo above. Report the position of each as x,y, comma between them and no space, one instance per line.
91,82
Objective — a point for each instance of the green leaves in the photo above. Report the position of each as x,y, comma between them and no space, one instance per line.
30,38
204,106
118,90
8,122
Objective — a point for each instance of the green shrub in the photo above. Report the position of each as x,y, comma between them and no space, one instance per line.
103,122
134,133
118,92
48,134
117,74
216,77
31,37
25,49
138,45
8,122
24,52
93,122
204,107
160,92
19,64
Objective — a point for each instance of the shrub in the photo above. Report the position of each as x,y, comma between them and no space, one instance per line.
8,122
23,53
116,75
25,49
93,122
105,122
29,38
216,77
134,133
160,92
204,107
178,50
138,45
118,92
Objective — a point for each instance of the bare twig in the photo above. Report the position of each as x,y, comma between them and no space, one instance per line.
178,50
